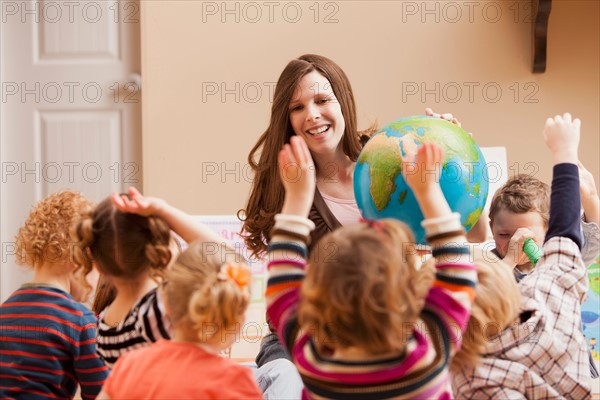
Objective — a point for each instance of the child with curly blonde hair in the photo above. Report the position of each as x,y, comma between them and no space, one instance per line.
207,300
128,238
47,338
359,320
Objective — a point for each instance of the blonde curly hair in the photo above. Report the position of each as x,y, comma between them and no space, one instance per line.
202,301
496,307
44,237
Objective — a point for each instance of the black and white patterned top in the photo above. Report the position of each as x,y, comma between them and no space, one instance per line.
145,324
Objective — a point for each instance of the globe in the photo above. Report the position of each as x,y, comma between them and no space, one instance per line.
381,191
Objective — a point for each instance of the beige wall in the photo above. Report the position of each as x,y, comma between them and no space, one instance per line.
389,53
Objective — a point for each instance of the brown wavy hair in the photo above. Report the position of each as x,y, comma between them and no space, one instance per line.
201,303
496,306
122,245
44,237
363,287
266,195
521,194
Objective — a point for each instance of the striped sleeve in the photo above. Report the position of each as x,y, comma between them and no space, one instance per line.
145,324
286,273
453,290
152,322
90,370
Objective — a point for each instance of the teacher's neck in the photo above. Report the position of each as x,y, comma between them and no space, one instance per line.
334,166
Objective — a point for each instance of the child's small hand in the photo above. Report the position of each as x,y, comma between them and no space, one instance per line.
137,203
587,186
514,251
297,172
447,116
562,138
423,171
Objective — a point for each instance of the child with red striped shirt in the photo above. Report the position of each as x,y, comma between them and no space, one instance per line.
47,338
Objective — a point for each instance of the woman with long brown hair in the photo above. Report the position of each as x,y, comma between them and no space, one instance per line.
313,99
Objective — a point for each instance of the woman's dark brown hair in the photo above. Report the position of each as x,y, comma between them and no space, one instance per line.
266,196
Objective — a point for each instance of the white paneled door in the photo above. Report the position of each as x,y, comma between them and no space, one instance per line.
71,107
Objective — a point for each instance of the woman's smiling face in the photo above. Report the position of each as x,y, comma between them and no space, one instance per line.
316,115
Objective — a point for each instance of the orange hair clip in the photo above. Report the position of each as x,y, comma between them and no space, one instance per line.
237,273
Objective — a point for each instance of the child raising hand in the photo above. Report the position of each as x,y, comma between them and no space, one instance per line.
536,348
358,306
128,238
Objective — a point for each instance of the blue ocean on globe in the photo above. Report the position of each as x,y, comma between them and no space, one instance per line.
381,191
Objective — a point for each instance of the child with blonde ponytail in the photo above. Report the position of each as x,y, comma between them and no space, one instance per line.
128,239
207,299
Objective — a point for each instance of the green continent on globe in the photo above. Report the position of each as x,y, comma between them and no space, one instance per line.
473,217
402,196
455,146
385,164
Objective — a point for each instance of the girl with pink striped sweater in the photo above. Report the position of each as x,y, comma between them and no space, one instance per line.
362,321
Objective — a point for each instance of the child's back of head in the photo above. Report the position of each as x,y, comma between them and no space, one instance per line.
44,237
123,245
131,252
496,307
362,283
48,342
206,298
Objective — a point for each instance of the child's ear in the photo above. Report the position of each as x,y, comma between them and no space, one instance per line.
492,225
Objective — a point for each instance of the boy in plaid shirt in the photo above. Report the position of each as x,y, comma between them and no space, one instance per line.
540,349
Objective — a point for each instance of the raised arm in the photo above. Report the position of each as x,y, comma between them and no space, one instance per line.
562,138
453,290
561,265
589,195
180,222
287,250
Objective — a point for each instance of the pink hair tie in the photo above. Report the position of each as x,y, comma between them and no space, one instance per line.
374,224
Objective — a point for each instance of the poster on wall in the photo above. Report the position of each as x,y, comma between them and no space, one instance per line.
255,327
590,312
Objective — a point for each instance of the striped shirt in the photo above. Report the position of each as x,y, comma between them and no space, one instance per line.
48,346
420,373
145,324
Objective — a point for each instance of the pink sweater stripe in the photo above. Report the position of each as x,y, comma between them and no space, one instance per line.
353,378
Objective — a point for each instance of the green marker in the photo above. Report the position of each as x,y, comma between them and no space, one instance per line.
532,250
